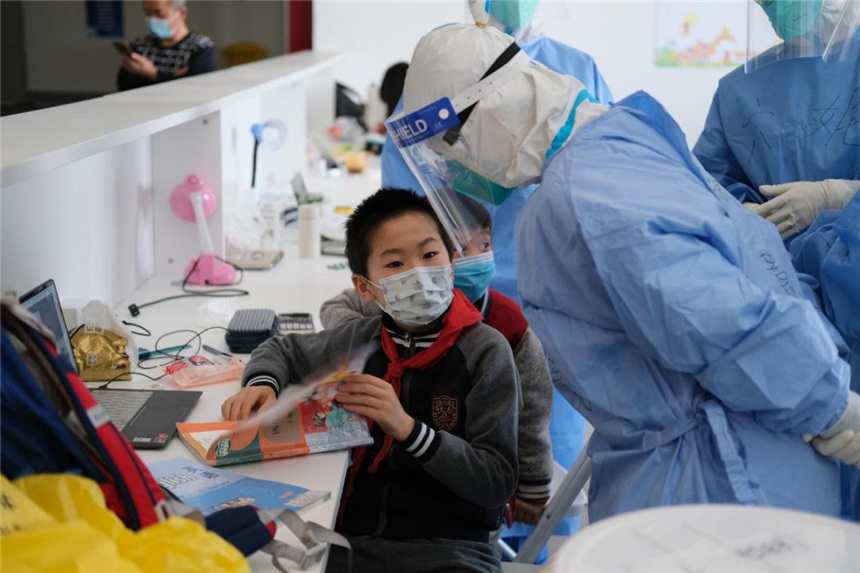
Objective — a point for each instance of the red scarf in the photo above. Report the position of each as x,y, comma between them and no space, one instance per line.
461,315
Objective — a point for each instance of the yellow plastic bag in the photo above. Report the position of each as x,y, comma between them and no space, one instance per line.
59,523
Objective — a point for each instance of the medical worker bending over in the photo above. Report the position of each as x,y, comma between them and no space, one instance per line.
673,311
784,130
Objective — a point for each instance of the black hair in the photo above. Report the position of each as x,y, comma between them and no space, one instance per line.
477,212
382,206
392,85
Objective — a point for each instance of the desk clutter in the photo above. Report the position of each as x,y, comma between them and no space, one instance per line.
252,326
83,466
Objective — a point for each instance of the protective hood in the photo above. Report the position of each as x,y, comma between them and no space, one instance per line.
520,117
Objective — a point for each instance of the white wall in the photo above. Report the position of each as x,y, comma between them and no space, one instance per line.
61,58
87,225
618,34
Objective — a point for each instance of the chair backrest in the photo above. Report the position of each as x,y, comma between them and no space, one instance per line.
569,498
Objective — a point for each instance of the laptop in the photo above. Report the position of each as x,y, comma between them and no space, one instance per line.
148,418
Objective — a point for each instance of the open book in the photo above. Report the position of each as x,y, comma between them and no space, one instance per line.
312,427
211,490
304,420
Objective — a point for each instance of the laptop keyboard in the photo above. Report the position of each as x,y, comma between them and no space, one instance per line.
121,406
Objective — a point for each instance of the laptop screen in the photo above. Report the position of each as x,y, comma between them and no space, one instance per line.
44,303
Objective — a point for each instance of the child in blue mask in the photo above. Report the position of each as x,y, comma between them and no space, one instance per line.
473,273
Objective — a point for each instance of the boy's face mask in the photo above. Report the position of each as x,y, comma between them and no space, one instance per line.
473,275
419,296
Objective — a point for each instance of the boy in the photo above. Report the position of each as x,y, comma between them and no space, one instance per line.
473,273
441,393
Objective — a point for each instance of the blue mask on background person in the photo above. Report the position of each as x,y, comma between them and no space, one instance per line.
791,19
513,14
473,275
160,28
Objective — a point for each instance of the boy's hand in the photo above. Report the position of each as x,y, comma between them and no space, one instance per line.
375,398
527,511
249,400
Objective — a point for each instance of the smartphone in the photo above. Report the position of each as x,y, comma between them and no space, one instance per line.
122,48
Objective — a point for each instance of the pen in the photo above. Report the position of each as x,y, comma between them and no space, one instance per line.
169,351
216,352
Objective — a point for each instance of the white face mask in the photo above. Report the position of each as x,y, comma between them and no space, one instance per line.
419,296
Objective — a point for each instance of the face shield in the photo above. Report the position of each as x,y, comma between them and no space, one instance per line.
459,196
779,30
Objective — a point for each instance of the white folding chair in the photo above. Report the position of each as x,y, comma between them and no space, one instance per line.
568,500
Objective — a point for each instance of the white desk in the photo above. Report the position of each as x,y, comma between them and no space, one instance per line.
295,285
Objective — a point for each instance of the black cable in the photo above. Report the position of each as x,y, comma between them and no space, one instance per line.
118,376
143,330
198,336
134,309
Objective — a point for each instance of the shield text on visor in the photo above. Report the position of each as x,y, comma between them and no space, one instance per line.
448,184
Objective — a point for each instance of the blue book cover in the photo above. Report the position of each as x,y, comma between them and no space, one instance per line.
210,489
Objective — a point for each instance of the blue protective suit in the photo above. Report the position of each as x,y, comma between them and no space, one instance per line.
790,120
679,323
830,251
567,428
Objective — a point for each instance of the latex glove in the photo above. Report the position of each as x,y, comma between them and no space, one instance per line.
794,206
844,447
842,440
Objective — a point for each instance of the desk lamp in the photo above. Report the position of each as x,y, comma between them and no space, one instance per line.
193,200
271,135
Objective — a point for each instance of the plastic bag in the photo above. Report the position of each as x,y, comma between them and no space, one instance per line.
103,347
67,514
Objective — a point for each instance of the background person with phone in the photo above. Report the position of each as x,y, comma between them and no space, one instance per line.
169,51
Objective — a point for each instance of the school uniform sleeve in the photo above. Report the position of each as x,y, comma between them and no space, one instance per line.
345,307
535,449
482,468
284,360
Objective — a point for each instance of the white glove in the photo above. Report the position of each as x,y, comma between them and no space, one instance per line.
844,447
842,440
794,206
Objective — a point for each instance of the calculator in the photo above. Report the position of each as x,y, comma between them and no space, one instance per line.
295,323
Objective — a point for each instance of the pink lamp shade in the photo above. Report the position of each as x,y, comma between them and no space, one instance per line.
193,201
180,199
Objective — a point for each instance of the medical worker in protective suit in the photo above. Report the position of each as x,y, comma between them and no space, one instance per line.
784,131
674,313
